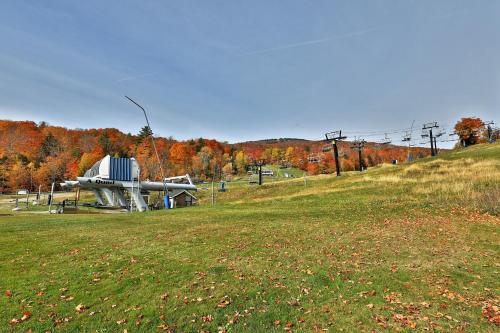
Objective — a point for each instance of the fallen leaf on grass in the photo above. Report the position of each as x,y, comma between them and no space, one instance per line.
404,321
207,318
80,308
224,302
26,316
491,313
14,321
8,293
425,304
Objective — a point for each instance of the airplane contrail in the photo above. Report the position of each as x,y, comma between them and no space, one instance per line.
309,42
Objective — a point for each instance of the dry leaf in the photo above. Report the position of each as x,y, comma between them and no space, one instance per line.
14,321
224,302
80,308
26,316
207,318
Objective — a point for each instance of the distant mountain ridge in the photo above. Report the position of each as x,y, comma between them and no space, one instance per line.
271,141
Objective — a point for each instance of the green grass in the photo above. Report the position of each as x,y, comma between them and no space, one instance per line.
362,252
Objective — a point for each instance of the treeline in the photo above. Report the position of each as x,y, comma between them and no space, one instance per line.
34,154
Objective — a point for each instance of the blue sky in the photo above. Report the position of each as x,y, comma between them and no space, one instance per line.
242,70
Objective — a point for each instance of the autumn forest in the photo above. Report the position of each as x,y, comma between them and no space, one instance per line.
33,155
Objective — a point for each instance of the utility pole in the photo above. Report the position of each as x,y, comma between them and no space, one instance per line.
51,197
213,193
430,126
359,145
335,137
259,167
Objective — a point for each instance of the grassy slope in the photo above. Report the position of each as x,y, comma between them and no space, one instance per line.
405,248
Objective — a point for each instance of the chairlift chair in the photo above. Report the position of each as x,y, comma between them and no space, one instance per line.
386,140
440,132
313,158
327,148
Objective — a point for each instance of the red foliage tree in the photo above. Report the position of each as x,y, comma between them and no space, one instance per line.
469,130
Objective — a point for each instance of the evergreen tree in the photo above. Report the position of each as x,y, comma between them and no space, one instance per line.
105,143
49,146
144,133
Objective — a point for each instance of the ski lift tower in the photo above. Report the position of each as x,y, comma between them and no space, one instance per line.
430,126
359,145
335,137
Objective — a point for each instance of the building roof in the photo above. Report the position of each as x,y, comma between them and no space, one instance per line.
185,191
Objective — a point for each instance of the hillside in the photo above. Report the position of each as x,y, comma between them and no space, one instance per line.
34,155
412,247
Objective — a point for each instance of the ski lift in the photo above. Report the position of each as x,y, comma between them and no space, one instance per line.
327,148
313,158
407,137
386,140
430,125
330,136
440,132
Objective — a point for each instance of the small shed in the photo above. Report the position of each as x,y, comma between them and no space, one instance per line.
183,199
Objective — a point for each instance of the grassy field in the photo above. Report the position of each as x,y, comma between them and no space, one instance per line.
397,248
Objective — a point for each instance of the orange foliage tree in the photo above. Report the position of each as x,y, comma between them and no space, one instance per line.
469,130
37,154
